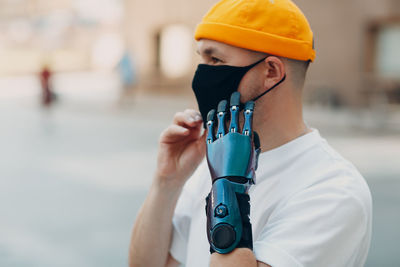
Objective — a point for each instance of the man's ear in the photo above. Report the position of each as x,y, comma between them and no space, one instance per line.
274,71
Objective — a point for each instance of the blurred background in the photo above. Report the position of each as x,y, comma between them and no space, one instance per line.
86,87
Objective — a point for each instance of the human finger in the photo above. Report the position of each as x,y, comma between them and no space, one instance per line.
174,133
189,118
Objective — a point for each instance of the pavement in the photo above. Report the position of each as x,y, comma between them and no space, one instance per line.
74,175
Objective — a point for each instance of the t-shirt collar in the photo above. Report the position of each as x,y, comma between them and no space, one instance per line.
285,153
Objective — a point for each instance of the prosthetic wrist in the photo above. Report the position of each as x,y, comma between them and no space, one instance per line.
232,160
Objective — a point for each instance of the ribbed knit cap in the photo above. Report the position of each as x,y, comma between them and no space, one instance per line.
276,27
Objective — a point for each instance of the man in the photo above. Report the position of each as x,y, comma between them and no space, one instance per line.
309,206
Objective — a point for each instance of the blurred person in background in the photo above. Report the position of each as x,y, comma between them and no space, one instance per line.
309,207
127,75
48,95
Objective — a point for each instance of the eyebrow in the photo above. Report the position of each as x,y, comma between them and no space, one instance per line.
209,51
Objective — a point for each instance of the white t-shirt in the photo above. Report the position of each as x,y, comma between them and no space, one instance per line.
309,207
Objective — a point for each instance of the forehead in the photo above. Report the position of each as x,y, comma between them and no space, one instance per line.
206,46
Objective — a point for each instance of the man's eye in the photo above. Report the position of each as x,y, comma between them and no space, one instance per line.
215,60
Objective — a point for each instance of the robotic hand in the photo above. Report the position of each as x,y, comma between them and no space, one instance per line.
232,160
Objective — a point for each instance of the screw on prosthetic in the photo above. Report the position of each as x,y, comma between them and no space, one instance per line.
232,156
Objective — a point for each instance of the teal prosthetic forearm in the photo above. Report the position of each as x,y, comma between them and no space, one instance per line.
232,160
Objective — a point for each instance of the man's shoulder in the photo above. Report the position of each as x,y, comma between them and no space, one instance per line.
333,174
317,168
334,168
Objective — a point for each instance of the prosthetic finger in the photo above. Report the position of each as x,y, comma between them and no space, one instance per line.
210,126
248,118
234,108
222,108
257,149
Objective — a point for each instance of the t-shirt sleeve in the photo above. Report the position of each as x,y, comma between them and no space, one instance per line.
183,212
181,228
320,226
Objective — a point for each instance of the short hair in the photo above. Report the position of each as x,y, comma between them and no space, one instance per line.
299,70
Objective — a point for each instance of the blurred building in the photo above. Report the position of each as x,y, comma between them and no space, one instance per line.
358,60
66,35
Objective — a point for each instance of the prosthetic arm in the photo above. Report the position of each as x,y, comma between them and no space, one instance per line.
232,160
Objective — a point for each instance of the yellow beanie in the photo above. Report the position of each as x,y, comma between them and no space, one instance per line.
276,27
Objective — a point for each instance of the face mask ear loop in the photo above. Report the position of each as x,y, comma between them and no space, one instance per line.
278,83
258,62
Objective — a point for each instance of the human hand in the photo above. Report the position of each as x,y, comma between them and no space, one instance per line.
181,149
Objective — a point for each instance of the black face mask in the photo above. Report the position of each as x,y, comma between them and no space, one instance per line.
211,84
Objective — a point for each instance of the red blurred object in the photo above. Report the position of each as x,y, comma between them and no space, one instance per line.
47,94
